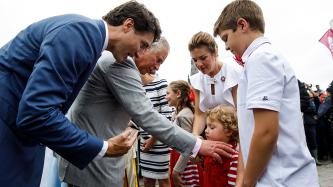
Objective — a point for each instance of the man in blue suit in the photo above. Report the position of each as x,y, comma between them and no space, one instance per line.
42,70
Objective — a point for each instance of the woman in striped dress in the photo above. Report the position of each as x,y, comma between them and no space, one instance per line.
154,155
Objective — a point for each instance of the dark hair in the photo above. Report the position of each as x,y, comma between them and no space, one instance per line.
304,96
144,20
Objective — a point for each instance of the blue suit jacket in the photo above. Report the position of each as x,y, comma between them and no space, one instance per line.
41,72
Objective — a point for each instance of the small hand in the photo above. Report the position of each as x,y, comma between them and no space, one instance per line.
216,149
148,144
177,180
120,144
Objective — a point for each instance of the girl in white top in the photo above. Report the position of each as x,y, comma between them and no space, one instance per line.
216,82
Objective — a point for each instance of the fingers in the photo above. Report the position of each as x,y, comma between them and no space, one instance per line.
217,157
132,137
224,149
127,132
120,144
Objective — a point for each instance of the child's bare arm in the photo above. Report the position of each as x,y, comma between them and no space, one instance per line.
263,143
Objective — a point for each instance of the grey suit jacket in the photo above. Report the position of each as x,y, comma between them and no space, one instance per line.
112,95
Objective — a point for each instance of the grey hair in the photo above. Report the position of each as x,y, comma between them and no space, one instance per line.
162,43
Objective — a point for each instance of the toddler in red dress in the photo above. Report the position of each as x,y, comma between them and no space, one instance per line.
222,126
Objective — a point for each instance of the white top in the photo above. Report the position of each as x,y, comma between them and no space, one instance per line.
269,82
224,80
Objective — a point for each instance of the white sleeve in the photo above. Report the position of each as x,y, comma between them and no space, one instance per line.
265,75
233,74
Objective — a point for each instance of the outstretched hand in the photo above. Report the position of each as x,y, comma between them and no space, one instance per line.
216,149
120,144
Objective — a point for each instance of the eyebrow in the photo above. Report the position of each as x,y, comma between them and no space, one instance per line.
202,56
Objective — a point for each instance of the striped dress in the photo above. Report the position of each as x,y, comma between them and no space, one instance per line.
154,164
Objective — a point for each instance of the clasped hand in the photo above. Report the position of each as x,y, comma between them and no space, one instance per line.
120,144
216,149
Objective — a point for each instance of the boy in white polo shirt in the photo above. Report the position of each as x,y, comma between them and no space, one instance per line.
273,147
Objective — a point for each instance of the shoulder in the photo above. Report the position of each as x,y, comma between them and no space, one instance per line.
185,113
118,70
266,55
232,69
196,80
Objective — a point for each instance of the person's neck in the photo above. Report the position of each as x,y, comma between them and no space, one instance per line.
218,66
113,35
253,36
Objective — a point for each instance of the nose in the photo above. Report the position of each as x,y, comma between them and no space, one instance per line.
227,47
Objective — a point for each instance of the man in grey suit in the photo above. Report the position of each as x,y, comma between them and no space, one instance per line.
111,97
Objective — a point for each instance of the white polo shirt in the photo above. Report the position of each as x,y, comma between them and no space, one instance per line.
269,82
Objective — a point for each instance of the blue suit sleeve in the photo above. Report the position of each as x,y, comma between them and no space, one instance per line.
63,60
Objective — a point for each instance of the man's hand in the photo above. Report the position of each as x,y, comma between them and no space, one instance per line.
177,180
148,144
216,149
119,145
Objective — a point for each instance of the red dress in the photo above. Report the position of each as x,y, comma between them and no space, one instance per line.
192,175
224,175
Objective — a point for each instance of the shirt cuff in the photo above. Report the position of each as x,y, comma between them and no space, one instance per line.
196,148
103,151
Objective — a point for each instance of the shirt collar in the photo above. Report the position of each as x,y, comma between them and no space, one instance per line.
253,46
107,35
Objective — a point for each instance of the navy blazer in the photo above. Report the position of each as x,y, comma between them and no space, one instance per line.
41,72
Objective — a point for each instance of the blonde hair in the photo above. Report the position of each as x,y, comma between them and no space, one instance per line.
246,9
201,39
227,117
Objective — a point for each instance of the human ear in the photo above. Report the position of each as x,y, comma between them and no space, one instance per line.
128,25
179,93
243,24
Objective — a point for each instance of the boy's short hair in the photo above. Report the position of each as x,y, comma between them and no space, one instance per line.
227,116
144,20
201,39
246,9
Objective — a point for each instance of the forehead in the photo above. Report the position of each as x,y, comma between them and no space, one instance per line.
170,89
198,51
211,121
163,53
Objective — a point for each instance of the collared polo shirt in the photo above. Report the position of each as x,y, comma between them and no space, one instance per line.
268,82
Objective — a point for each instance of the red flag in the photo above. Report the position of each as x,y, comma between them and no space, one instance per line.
327,40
